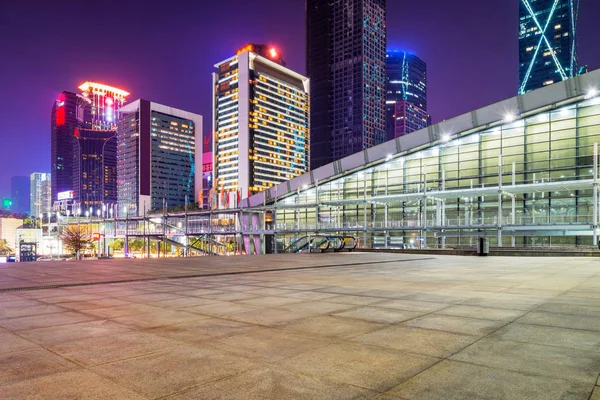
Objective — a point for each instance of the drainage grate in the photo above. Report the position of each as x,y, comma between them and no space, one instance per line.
165,278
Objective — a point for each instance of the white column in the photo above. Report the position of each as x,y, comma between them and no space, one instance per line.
499,217
595,195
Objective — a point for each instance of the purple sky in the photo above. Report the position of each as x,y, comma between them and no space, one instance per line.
164,51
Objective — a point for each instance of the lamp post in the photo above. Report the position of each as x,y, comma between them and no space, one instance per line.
126,233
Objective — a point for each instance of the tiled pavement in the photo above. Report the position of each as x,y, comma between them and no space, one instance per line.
364,326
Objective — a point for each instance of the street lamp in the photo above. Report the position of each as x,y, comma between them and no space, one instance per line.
126,232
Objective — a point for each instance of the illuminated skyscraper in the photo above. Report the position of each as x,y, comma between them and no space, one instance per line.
40,194
94,109
547,42
406,98
159,157
260,123
346,42
94,168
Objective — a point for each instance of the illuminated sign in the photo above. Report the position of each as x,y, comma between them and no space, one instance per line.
65,195
207,167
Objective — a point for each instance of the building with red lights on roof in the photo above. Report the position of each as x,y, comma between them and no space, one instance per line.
77,120
260,123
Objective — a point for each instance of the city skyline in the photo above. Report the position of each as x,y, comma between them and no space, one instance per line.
44,63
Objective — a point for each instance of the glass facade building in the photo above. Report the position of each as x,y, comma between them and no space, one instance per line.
94,168
406,94
260,125
522,172
156,157
19,192
346,45
40,191
95,108
547,42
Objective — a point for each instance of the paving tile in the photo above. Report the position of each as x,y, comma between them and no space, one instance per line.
450,380
271,316
272,384
17,366
92,304
103,349
19,302
334,327
557,362
66,333
44,320
222,309
10,342
311,295
149,297
571,309
270,301
14,312
230,296
356,300
497,314
172,371
182,302
80,384
369,367
317,307
159,318
449,323
413,305
551,336
560,320
382,315
416,340
203,329
70,298
121,311
269,344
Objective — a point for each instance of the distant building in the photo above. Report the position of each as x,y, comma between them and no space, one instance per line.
40,188
159,157
96,107
207,171
94,169
406,94
8,230
19,186
346,44
547,42
260,125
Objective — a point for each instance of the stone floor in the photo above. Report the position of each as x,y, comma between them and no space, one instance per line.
314,326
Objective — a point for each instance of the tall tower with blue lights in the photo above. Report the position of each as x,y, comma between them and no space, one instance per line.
547,42
406,94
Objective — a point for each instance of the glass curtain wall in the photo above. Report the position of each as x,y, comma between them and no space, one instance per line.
552,146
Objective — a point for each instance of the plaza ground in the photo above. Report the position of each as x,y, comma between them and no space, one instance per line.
308,326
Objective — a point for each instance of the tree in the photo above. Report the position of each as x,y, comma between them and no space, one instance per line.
5,248
76,238
118,244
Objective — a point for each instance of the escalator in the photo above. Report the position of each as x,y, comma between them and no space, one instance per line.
323,244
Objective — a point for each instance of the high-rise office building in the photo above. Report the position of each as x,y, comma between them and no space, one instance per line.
346,43
260,124
67,115
406,94
159,157
94,168
547,42
40,188
95,108
19,187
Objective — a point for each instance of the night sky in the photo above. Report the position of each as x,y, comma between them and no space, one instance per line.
164,51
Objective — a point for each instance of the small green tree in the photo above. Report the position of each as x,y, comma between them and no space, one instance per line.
118,244
76,238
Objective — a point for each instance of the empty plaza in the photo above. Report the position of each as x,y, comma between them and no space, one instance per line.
302,326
